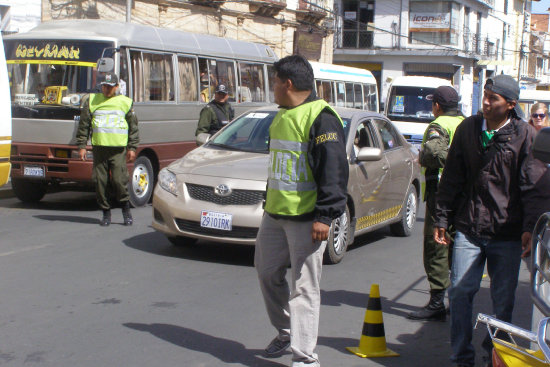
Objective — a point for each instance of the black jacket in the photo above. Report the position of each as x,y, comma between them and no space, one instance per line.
328,162
497,192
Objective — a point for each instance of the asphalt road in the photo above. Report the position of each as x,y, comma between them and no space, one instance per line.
75,294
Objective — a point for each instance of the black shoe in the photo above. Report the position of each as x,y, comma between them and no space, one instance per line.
106,220
434,310
128,220
276,348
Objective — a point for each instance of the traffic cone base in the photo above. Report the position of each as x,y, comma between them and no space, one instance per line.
373,339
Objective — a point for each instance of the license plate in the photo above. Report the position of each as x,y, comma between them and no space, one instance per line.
216,220
33,171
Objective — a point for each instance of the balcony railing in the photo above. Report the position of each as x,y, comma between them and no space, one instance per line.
312,10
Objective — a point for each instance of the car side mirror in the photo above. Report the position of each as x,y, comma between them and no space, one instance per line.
541,146
369,154
202,138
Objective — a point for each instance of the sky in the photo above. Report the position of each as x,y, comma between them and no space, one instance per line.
540,7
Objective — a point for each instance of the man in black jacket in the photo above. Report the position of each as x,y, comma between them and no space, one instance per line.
492,191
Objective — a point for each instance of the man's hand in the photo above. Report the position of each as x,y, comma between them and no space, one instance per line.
82,154
526,244
319,231
130,155
441,236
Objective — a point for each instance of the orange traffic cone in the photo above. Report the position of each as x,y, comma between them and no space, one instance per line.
373,338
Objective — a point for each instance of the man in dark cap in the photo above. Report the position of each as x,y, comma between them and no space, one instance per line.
216,114
433,153
492,191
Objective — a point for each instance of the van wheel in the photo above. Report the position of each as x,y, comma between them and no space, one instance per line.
29,191
404,227
338,238
181,241
140,186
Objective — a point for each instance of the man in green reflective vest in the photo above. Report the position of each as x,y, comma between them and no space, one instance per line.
435,145
112,123
306,191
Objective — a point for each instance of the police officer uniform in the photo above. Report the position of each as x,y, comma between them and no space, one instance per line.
435,145
113,126
215,114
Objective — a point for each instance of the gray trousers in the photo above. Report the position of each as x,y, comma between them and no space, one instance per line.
293,310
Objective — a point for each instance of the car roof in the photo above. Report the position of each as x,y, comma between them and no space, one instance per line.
345,113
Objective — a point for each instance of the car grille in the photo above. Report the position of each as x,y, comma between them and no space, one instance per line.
237,197
236,232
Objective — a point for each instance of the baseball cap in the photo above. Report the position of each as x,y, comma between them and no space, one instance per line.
504,85
222,89
445,96
110,79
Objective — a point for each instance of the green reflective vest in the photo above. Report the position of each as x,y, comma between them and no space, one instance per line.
449,125
109,125
291,187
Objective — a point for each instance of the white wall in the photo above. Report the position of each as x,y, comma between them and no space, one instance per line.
24,14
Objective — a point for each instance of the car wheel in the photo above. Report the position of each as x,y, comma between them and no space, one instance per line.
29,191
141,182
181,241
338,238
404,227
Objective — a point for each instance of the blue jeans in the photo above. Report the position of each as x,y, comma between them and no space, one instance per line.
469,256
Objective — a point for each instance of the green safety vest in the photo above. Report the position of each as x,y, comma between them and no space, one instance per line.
291,187
109,125
447,123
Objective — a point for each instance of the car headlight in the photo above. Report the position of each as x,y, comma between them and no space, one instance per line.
167,180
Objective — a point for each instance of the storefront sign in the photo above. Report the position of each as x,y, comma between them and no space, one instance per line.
430,22
308,44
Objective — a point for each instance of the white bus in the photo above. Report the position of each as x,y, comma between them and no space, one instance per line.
5,119
169,74
407,106
344,86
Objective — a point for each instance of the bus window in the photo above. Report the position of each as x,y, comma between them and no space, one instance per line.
252,84
324,91
271,76
369,94
157,74
340,94
358,91
123,77
137,76
187,69
223,73
349,95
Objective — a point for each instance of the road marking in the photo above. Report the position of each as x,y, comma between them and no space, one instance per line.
25,249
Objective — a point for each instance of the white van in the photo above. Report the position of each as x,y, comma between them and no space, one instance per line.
5,118
407,107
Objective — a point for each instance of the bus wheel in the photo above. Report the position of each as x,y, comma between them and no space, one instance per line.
29,191
141,182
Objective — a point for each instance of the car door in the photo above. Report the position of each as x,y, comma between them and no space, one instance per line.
401,164
368,180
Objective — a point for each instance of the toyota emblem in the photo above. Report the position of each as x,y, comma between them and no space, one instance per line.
222,190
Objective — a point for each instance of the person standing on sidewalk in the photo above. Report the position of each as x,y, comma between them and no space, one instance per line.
306,190
435,146
111,121
492,190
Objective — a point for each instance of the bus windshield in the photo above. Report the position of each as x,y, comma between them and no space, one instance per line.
410,104
51,72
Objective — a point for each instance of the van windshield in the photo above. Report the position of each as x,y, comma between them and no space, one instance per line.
410,104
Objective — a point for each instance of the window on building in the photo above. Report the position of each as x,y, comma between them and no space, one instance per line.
357,15
434,22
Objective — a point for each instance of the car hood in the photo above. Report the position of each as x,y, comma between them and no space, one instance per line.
223,163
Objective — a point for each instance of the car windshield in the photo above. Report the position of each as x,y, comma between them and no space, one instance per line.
250,133
410,104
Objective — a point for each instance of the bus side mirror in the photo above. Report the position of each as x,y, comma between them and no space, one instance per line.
105,65
541,146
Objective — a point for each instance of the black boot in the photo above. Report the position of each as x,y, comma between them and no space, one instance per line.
434,310
106,220
128,220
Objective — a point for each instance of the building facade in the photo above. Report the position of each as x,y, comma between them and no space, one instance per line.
287,26
463,41
19,15
538,66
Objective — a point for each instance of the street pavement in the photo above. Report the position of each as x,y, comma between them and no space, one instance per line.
75,294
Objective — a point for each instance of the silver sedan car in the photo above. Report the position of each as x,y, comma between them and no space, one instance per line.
216,192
